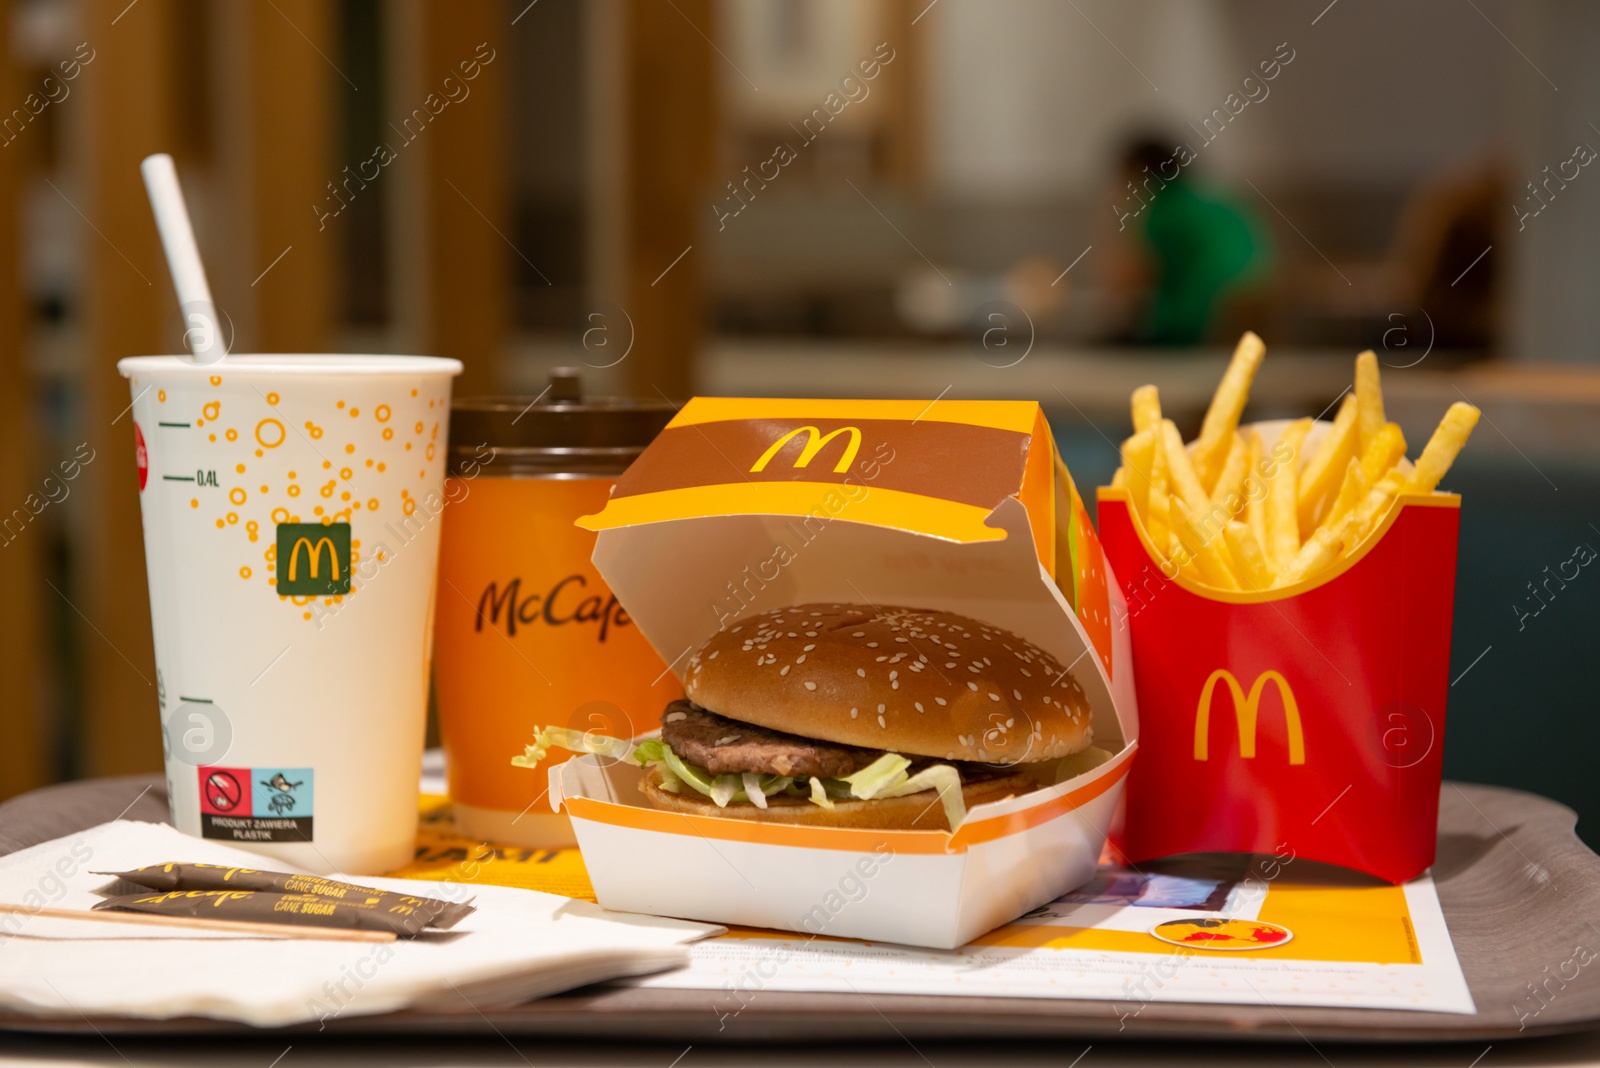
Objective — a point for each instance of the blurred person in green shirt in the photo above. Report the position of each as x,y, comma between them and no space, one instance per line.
1199,247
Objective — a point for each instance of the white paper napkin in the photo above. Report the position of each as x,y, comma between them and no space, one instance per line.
520,944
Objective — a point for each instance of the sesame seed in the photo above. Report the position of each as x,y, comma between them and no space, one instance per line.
859,634
899,639
881,723
785,671
853,712
918,706
951,664
994,697
810,647
862,672
811,686
673,717
879,660
881,708
894,674
1017,694
801,659
973,687
872,645
714,653
940,701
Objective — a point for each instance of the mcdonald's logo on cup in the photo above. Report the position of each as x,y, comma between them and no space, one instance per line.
1246,707
816,440
313,559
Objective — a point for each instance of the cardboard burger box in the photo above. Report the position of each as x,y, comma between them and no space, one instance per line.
1307,719
741,506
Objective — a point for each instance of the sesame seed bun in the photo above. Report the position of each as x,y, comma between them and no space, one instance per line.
916,682
912,812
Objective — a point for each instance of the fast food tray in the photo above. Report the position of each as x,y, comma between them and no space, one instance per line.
1516,884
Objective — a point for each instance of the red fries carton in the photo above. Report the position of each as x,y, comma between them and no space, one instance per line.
1308,718
740,506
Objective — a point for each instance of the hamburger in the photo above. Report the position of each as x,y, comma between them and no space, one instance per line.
841,715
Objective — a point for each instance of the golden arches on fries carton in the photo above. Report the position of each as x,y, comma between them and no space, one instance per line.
1306,553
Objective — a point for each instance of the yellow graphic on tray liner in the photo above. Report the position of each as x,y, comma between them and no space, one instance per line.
1366,923
1221,934
445,855
815,441
1245,710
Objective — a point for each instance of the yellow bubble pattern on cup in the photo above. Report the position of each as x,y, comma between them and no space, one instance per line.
240,503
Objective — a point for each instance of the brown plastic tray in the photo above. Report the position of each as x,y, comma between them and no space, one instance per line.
1516,885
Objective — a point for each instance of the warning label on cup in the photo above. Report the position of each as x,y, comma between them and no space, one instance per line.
257,804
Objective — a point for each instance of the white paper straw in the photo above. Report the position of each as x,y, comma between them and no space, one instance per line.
202,328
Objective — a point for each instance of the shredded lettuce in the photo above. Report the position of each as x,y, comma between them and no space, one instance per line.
693,774
724,788
941,777
870,781
547,738
885,777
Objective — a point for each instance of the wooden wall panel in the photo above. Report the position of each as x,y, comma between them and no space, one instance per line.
124,114
670,122
453,234
24,759
284,189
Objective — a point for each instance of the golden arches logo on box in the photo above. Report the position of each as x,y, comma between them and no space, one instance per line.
816,440
1245,710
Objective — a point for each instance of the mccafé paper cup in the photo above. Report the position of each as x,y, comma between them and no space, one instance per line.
292,507
1309,718
529,633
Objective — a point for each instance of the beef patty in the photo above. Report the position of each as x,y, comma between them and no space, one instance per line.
723,746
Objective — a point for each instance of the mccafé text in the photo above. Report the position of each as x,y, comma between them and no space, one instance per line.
563,603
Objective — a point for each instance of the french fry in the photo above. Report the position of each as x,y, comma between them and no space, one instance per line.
1283,506
1320,478
1351,491
1361,520
1181,475
1442,448
1146,405
1386,449
1231,482
1319,552
1215,568
1247,556
1369,398
1227,404
1159,523
1184,562
1255,492
1138,458
1229,514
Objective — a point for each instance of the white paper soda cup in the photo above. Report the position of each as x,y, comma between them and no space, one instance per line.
291,510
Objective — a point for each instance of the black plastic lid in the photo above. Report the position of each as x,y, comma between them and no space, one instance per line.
558,431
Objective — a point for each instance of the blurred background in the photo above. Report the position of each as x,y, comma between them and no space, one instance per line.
1044,199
